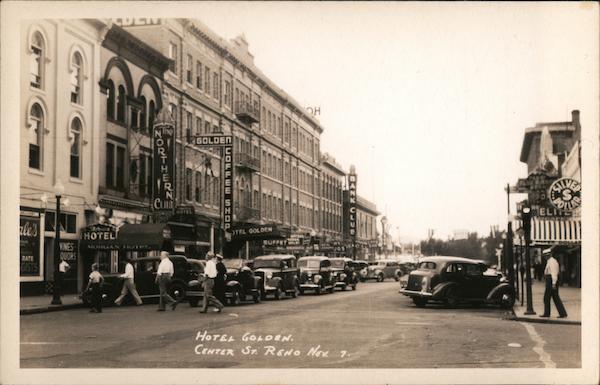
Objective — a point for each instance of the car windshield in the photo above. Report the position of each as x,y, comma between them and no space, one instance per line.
233,263
337,263
308,264
427,265
273,263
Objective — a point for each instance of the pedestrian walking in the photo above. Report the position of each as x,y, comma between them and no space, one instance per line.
63,268
210,273
219,289
95,286
163,279
551,277
128,285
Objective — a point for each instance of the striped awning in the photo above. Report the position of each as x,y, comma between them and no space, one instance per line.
553,231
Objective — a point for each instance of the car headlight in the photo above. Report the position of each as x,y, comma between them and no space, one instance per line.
342,276
424,282
269,276
317,278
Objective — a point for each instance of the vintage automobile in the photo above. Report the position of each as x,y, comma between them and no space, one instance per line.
241,282
278,274
315,274
185,271
453,280
362,269
343,273
382,269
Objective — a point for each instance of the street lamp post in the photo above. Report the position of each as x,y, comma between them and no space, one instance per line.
526,216
58,191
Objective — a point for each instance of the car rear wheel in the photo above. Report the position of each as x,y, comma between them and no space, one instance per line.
354,287
256,297
177,291
380,278
419,302
451,297
236,298
296,290
330,290
318,290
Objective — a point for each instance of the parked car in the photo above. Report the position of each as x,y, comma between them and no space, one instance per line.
453,280
186,271
382,269
241,282
315,274
362,269
343,273
278,274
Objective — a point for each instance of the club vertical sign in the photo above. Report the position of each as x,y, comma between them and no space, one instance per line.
163,198
352,205
227,187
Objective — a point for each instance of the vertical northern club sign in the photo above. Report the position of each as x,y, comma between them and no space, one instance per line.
163,198
352,207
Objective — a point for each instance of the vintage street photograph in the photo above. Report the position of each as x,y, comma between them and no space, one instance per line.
270,185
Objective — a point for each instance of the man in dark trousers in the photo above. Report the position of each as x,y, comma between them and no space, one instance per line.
551,277
220,288
210,273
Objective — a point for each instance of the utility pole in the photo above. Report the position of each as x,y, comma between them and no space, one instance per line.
526,216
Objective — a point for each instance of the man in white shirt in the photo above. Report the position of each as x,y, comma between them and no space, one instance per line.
210,273
163,278
128,285
551,277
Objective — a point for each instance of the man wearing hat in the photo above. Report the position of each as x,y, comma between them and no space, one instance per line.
220,287
551,277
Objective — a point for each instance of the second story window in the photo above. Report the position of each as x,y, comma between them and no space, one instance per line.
216,85
199,75
115,166
173,57
121,104
36,66
76,78
110,101
188,73
76,148
36,141
227,94
207,80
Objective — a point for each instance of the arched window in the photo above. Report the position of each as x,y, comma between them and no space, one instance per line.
143,114
76,78
151,115
36,138
37,61
76,148
110,103
121,105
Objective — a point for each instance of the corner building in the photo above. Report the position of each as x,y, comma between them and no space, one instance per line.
212,86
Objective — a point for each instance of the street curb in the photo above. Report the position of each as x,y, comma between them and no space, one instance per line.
46,309
540,320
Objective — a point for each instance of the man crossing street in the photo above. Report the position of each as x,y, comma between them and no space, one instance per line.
210,272
551,277
163,278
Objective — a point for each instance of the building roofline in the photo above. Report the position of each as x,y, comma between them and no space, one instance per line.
530,132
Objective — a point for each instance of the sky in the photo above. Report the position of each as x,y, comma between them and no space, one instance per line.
430,102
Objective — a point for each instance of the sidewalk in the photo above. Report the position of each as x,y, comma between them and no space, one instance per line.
41,304
570,296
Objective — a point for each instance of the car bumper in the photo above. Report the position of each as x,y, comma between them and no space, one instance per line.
309,286
414,293
341,284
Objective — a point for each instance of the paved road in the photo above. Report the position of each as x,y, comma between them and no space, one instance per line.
373,327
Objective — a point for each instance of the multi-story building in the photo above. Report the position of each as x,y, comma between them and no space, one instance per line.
213,86
332,181
60,108
367,238
551,151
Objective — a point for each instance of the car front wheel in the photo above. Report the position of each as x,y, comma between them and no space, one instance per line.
507,299
278,292
380,278
451,297
236,298
419,302
177,291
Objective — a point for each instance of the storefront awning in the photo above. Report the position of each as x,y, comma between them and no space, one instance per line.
555,231
143,236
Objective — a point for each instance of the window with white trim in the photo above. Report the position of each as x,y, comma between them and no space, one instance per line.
75,160
36,137
36,65
76,78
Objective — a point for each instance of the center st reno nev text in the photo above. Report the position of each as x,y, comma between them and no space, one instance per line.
272,345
